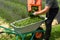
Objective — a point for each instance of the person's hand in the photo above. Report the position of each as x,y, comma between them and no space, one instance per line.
36,13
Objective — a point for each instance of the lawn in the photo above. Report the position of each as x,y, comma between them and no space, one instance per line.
55,32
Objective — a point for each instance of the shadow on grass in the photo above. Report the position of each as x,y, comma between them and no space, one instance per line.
55,35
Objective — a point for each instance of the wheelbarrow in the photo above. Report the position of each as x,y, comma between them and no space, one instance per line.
28,29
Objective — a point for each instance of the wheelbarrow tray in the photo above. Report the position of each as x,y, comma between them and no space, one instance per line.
28,28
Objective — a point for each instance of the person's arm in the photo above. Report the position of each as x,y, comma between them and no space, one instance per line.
45,10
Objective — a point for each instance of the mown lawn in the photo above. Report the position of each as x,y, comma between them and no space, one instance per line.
55,33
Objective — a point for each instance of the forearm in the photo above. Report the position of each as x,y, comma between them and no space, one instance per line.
45,10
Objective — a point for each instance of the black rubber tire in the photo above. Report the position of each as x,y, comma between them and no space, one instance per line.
34,38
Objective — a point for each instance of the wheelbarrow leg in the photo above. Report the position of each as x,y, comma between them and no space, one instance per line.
16,37
32,36
23,36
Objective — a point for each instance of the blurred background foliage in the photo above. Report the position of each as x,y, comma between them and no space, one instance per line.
12,10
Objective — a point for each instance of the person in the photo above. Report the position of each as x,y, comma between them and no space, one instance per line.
51,10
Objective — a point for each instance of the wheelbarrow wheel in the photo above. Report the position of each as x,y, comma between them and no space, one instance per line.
38,35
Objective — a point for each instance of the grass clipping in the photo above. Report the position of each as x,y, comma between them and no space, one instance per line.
27,21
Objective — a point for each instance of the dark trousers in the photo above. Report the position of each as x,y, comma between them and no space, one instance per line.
50,16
